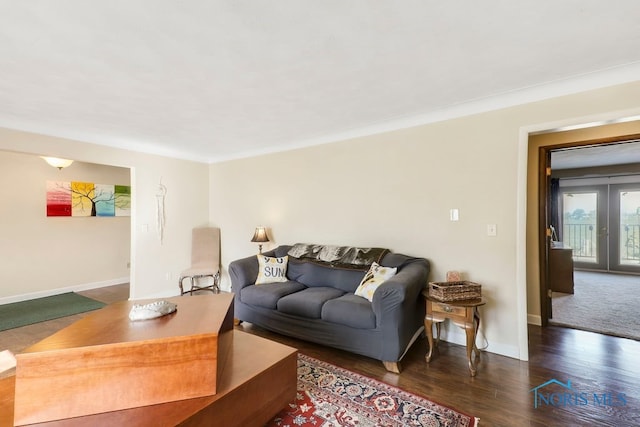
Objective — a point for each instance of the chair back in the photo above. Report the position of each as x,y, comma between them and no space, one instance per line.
205,247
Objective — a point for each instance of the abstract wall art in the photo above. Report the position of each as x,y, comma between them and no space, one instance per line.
58,198
78,198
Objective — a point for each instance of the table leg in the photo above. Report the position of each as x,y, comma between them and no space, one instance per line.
428,328
470,332
476,319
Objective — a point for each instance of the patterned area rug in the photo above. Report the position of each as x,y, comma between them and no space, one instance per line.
330,396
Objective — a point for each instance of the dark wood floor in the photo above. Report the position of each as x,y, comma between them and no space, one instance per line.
500,394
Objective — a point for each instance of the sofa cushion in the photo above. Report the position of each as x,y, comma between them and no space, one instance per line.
375,277
268,294
308,302
349,310
271,269
312,274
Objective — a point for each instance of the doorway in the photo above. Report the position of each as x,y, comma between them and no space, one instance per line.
592,216
72,254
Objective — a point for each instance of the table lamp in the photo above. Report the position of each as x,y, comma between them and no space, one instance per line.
260,237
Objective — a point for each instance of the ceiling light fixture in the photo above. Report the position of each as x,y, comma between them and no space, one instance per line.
57,162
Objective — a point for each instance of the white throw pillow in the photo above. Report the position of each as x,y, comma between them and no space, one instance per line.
375,277
271,269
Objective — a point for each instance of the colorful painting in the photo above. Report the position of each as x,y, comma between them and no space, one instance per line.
78,198
123,200
82,196
104,200
58,198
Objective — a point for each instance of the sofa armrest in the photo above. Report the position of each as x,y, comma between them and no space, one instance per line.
243,272
399,308
394,302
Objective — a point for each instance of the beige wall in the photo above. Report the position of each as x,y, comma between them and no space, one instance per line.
155,265
41,254
395,190
543,140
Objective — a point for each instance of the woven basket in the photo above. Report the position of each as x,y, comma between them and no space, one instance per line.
455,291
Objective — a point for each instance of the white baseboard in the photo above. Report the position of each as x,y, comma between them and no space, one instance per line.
455,335
534,319
76,288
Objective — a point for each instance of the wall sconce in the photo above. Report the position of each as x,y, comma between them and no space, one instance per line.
58,163
260,237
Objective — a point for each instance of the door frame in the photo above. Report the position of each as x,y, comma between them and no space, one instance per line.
544,210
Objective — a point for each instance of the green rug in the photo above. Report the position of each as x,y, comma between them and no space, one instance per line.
37,310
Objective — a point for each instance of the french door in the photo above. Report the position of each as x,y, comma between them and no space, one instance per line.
585,225
625,212
601,223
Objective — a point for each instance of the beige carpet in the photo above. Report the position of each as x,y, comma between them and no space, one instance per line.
604,303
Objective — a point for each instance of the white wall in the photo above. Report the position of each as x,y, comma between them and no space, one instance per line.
42,255
395,190
155,267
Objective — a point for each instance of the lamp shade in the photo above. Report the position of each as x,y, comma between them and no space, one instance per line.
58,163
260,235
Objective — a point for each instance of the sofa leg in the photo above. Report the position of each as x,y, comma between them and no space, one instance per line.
236,322
392,366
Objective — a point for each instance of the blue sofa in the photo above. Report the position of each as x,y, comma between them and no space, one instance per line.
317,303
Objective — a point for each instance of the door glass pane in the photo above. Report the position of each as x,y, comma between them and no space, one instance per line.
579,229
629,227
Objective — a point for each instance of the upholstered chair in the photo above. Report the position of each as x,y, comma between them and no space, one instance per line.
204,273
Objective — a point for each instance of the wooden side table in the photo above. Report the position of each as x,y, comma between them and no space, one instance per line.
464,314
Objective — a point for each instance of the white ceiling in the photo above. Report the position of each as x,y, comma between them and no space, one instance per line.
212,80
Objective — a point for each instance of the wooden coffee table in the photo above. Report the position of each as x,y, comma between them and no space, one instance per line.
256,381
